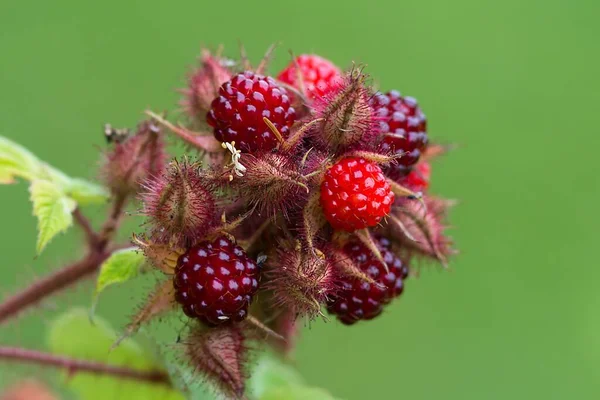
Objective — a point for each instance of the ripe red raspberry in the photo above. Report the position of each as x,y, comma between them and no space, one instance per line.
418,179
318,74
215,282
355,194
358,299
237,114
402,117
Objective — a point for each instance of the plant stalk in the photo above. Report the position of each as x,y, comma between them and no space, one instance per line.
74,366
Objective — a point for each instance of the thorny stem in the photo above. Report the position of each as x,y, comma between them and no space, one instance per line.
74,366
98,251
90,235
50,284
113,221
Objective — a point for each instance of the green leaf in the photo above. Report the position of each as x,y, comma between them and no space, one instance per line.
121,266
271,373
73,335
16,161
52,208
84,192
54,194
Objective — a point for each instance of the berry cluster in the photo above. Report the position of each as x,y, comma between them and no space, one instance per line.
312,171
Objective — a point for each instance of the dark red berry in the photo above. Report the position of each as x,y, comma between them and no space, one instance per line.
215,281
405,127
418,178
237,114
355,194
319,75
358,299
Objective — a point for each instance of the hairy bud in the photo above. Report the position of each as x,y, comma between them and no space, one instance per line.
179,205
419,228
220,355
203,85
348,118
301,279
134,159
271,182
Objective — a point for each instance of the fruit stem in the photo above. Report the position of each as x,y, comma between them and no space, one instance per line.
195,139
295,138
74,366
255,322
112,223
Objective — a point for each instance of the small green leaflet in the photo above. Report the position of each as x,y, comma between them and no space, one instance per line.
54,194
84,192
80,190
16,161
72,335
121,266
53,210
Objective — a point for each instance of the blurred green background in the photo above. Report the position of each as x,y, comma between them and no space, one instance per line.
514,83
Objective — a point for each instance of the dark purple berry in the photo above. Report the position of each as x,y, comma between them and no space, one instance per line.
360,300
405,126
215,281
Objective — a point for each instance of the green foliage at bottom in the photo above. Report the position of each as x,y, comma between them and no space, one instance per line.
72,334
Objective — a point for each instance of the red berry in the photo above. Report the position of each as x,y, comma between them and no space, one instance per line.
355,194
318,74
215,282
358,299
402,117
418,179
237,114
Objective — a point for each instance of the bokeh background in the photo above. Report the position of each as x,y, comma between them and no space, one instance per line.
514,83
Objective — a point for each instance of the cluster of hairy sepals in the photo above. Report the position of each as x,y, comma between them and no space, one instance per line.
313,174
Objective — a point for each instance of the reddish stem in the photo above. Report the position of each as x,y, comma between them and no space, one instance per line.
113,221
90,235
71,274
50,284
74,366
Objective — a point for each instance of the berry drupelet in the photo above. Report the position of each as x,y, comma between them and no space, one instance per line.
360,300
215,282
405,127
236,115
355,194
